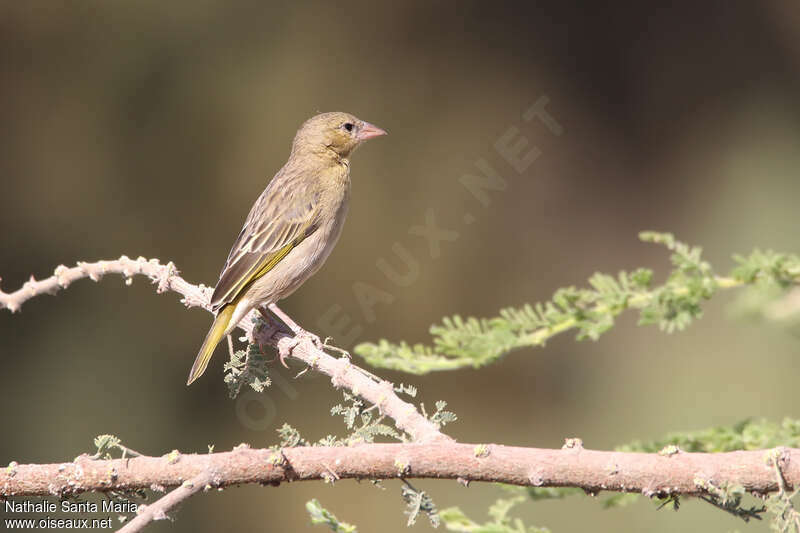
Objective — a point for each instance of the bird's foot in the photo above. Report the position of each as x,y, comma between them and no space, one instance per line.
268,319
299,336
268,329
327,345
262,348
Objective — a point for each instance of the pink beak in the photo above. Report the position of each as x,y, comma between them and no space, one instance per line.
368,131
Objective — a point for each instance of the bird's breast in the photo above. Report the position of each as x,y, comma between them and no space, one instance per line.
308,256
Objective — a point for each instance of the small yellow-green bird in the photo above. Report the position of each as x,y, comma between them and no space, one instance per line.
292,227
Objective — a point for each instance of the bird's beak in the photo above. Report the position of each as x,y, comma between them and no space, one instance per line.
368,131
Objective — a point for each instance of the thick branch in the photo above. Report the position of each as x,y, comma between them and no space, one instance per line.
649,474
341,371
432,455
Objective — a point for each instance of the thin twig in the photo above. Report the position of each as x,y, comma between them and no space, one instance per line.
159,509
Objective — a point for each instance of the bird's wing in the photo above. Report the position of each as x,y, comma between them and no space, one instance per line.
285,214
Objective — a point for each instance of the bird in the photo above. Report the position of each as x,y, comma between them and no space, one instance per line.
292,227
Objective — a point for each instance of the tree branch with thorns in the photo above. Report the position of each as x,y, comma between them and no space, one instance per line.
676,468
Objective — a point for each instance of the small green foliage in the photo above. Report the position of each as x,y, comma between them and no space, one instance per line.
770,268
320,515
746,435
173,457
729,499
370,429
402,467
454,519
728,495
481,451
104,444
766,299
668,450
471,342
275,458
786,517
348,412
329,440
442,417
416,359
290,437
418,501
363,422
408,390
246,367
360,419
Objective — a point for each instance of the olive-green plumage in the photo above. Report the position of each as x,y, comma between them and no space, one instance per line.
292,227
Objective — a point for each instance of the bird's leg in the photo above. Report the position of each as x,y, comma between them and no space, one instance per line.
294,326
299,333
268,319
230,345
265,315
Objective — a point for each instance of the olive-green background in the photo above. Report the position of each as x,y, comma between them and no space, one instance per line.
148,128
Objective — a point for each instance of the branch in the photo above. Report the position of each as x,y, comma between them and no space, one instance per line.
158,510
341,371
458,343
432,454
166,276
661,475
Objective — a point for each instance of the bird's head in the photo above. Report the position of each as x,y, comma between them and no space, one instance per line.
338,132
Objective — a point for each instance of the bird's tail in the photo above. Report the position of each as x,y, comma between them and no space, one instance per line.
213,337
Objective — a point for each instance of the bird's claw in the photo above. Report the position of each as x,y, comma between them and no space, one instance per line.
299,337
315,340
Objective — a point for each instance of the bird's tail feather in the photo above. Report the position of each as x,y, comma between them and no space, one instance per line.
213,337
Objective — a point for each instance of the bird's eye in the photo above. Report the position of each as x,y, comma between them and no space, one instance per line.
348,126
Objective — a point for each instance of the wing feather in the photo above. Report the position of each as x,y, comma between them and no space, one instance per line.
284,215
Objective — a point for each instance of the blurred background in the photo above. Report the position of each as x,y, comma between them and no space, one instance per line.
149,128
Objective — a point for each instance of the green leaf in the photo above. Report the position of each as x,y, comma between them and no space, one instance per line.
320,515
459,342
